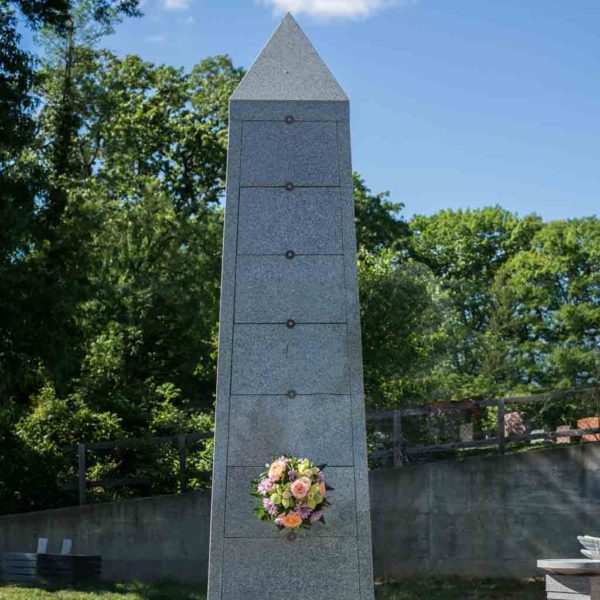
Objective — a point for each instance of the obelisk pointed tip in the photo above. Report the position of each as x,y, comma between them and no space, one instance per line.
289,68
289,18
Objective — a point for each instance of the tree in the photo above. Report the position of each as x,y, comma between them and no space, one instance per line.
33,195
548,318
20,181
126,274
378,221
404,313
465,249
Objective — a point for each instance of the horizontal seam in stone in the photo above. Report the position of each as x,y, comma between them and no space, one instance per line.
296,254
319,537
284,323
262,465
295,121
281,185
297,394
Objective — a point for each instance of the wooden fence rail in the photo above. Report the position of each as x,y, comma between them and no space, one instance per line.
400,451
182,440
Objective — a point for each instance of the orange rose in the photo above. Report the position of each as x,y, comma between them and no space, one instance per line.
322,489
276,470
291,521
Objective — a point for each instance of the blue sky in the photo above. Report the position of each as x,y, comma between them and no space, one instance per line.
455,103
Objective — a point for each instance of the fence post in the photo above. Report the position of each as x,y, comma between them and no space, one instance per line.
182,459
501,430
398,441
82,468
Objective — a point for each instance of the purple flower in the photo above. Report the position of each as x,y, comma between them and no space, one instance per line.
316,516
269,506
265,486
291,475
303,511
278,521
320,476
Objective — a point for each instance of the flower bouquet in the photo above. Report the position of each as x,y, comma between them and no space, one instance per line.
292,493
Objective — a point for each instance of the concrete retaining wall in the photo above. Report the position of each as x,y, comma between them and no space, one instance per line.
477,517
485,516
147,538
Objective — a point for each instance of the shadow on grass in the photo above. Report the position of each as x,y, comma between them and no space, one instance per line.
418,589
167,589
461,589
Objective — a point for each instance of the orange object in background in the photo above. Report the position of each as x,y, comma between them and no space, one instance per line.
590,423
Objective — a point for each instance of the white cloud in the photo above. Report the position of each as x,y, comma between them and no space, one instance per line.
176,4
157,38
353,9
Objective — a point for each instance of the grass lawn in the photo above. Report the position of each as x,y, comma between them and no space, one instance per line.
421,589
461,589
166,590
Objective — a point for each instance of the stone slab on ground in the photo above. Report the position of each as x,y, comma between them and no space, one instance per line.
571,579
572,587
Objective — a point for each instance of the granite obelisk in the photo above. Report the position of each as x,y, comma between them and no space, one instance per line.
290,366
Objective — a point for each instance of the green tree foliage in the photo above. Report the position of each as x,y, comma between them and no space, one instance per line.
19,182
404,319
547,321
112,173
465,250
379,224
111,322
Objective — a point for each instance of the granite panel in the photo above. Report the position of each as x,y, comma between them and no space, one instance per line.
273,359
303,153
273,289
315,568
305,220
276,110
240,520
264,426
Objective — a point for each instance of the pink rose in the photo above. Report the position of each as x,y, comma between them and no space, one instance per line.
277,470
300,487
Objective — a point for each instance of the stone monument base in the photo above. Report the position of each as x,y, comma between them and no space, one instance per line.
572,587
571,579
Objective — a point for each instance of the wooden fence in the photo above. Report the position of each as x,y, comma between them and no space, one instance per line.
400,452
182,440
